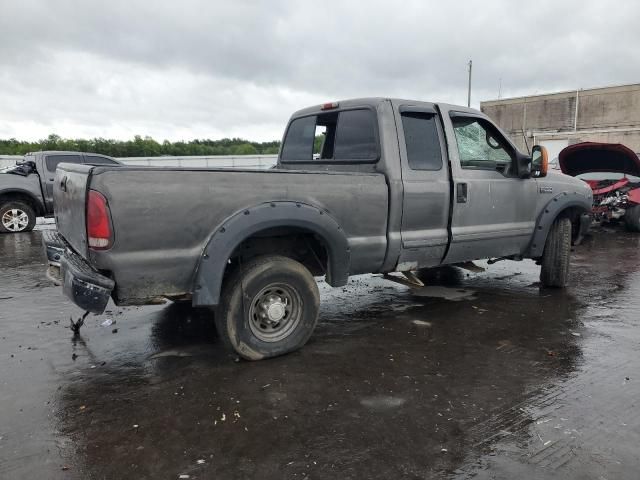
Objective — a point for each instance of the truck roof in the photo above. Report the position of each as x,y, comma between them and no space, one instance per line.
374,102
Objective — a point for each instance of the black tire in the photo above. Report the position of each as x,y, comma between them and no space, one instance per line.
632,219
557,254
291,294
14,208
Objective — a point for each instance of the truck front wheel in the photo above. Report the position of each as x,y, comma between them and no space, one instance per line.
269,307
556,255
632,218
16,216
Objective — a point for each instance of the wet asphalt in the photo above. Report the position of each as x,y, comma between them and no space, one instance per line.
489,377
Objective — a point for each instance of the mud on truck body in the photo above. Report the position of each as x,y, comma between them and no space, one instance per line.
394,186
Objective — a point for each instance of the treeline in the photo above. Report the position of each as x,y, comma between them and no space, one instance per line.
141,146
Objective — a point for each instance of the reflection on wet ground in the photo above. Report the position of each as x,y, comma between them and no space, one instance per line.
507,381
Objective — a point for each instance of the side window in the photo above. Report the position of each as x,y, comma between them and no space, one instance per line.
97,160
421,140
342,136
356,136
479,145
53,161
298,144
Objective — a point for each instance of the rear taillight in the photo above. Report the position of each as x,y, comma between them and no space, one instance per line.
99,229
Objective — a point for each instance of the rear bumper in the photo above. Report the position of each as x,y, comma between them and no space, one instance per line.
54,247
87,288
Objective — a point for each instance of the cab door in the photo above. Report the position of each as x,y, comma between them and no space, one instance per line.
493,209
426,187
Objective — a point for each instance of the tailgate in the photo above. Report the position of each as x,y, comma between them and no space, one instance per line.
69,202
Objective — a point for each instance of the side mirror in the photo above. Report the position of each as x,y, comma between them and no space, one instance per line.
539,161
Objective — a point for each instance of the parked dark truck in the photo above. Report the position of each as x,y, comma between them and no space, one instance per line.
395,186
26,189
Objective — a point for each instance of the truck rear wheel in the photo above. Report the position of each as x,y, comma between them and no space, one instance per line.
16,216
269,307
556,255
632,218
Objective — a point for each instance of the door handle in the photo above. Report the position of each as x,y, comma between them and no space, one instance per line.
461,193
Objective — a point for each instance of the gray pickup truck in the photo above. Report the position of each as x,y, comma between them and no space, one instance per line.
393,186
26,189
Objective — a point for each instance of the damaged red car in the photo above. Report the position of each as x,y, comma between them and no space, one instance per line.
613,173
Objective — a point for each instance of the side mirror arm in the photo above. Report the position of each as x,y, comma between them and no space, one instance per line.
523,163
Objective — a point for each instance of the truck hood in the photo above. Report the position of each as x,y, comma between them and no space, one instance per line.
590,157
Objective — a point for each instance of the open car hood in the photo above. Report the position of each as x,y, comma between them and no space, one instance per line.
589,157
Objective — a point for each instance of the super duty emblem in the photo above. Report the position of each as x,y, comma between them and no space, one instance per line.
546,189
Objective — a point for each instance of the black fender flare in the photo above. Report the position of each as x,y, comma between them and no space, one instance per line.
549,214
37,203
235,229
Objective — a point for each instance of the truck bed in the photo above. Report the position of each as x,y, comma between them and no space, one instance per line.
163,218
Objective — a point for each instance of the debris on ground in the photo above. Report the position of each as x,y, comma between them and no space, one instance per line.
108,322
75,326
421,323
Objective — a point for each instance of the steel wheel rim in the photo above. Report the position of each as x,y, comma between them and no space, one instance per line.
275,312
15,220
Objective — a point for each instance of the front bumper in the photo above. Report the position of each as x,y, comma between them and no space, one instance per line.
87,288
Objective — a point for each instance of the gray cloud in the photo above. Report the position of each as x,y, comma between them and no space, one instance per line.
212,68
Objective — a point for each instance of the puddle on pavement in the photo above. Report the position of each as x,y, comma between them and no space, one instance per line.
392,384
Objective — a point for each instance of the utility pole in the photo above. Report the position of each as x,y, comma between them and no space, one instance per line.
469,90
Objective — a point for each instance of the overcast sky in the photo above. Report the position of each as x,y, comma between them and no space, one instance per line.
212,69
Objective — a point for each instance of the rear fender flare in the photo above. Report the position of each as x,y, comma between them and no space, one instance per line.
240,226
552,210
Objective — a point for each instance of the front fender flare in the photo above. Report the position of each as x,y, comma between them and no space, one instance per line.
215,256
37,203
550,212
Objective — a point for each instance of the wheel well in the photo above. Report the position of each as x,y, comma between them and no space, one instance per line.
22,197
573,214
296,243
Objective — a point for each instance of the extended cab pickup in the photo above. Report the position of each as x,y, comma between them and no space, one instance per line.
26,189
362,186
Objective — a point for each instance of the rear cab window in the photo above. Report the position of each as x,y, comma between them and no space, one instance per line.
349,136
424,151
52,161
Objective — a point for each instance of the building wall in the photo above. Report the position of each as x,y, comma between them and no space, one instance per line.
610,114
